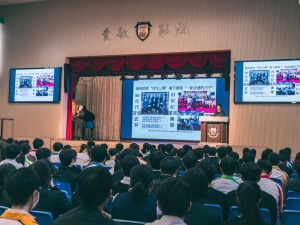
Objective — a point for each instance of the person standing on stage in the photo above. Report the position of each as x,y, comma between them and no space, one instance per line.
78,123
219,111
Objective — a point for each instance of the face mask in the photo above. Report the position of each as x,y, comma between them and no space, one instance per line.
36,202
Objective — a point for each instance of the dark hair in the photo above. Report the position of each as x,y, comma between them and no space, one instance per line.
82,148
169,147
297,156
189,161
141,177
245,150
155,159
222,152
44,168
249,194
12,151
169,165
128,163
228,149
274,158
163,148
104,145
113,151
94,185
250,172
126,152
181,152
219,105
253,151
90,144
197,180
288,153
248,157
66,156
20,185
228,166
134,146
43,153
297,167
25,148
67,147
10,140
5,170
282,157
98,154
234,155
265,166
211,151
187,147
208,168
57,146
265,153
37,143
199,153
173,152
119,146
174,197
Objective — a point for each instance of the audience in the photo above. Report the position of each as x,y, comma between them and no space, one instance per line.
98,156
23,188
83,156
112,156
37,143
276,171
283,164
253,152
43,153
118,175
248,157
199,152
5,170
51,198
245,150
12,152
57,147
137,204
25,148
94,189
155,159
91,144
290,160
294,184
120,147
265,154
189,161
199,213
180,154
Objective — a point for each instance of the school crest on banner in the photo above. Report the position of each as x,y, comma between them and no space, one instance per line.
213,132
143,30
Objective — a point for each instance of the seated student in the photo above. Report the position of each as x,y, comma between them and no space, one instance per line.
137,204
91,144
248,157
251,172
222,153
249,197
124,185
174,198
228,149
155,159
265,154
94,189
294,184
180,154
83,156
65,173
51,198
120,147
98,157
112,155
290,161
226,182
57,147
212,196
189,161
269,186
37,143
276,171
199,213
253,152
5,170
23,187
211,151
245,150
25,148
199,152
43,153
283,164
12,152
169,167
67,147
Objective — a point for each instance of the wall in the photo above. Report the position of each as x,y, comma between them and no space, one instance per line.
45,33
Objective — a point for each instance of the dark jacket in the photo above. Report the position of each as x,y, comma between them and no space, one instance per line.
118,176
156,174
52,200
66,174
158,182
293,185
286,169
83,214
4,199
200,214
123,208
120,188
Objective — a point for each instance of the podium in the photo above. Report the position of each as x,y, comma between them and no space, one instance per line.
214,129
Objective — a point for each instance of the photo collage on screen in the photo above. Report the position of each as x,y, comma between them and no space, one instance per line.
286,80
154,103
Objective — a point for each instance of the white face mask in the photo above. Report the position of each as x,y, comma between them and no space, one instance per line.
37,201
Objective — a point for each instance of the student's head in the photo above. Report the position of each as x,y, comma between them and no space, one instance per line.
266,167
249,197
169,166
113,152
253,151
134,146
83,147
45,169
119,146
282,158
57,146
174,197
234,155
155,159
297,167
181,152
163,148
94,185
245,150
197,180
91,144
25,148
265,154
67,157
37,143
250,172
228,149
199,153
10,140
23,187
13,151
98,154
141,182
288,153
222,153
297,156
208,168
274,158
126,152
128,163
189,161
228,166
67,147
187,148
5,170
43,153
211,151
248,157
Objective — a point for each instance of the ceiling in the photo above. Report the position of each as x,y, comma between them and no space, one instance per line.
12,2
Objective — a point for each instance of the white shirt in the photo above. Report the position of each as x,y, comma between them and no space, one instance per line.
54,158
82,159
168,220
224,184
4,221
12,162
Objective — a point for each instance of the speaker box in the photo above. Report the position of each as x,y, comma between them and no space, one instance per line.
66,78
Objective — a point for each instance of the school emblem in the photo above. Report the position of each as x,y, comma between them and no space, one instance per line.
143,30
213,132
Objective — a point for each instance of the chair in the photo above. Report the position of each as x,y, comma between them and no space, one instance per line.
78,166
277,180
42,218
128,222
57,165
294,175
108,204
2,209
293,194
293,204
218,176
63,186
264,213
217,208
181,173
289,217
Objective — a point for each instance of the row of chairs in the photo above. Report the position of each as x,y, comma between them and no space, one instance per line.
57,165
